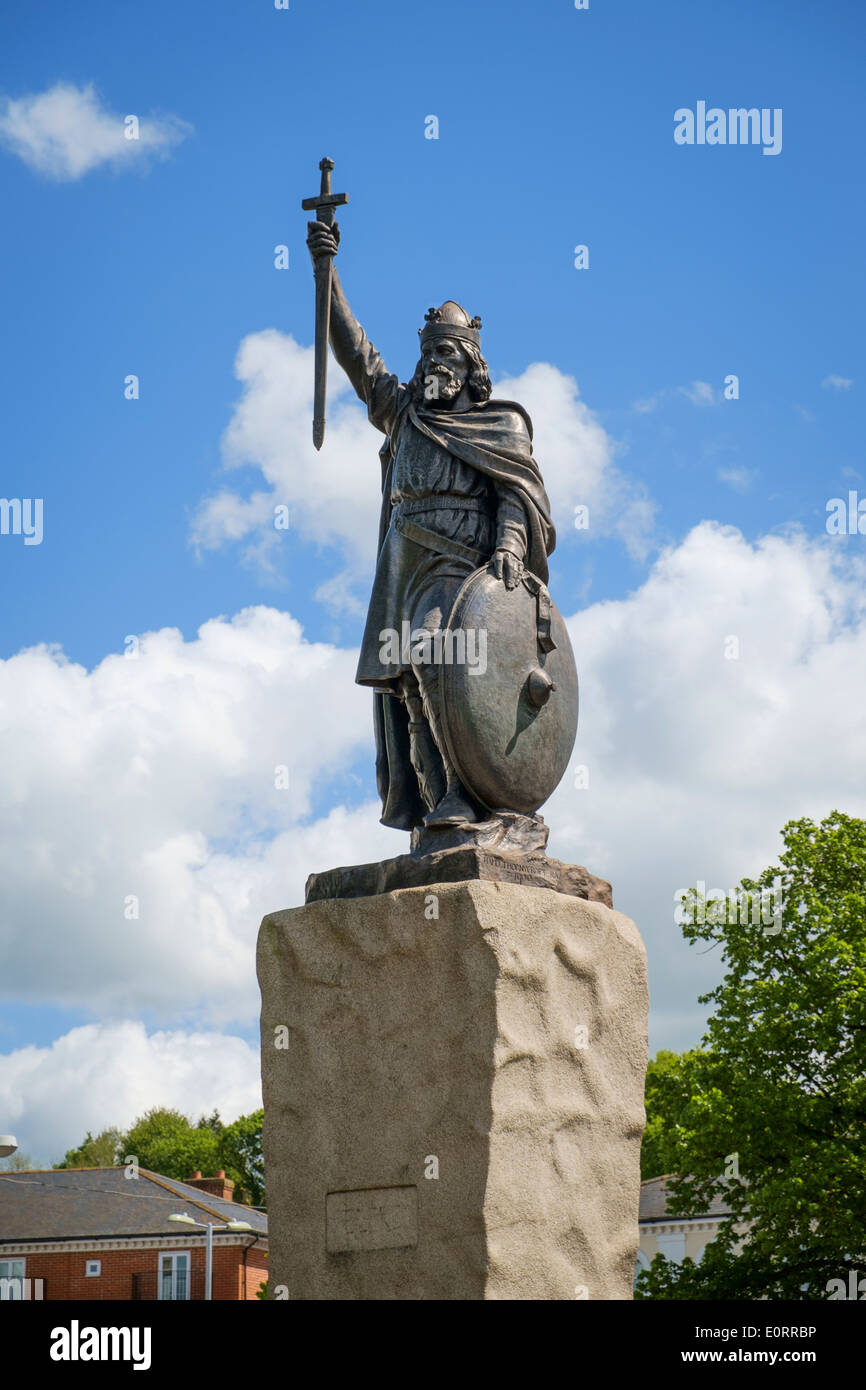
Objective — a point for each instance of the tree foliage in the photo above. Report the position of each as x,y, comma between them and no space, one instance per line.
16,1163
101,1152
167,1142
771,1112
241,1155
666,1099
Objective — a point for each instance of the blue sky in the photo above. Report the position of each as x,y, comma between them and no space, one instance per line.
555,129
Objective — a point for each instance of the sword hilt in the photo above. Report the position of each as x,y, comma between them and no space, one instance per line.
325,201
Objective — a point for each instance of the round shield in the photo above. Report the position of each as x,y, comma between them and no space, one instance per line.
509,692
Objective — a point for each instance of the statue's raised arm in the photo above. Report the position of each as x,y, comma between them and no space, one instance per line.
378,388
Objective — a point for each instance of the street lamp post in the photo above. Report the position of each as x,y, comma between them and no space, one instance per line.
8,1145
183,1219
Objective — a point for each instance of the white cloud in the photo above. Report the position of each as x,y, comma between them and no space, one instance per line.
576,456
65,132
647,404
109,1074
699,393
696,761
837,383
740,479
334,496
155,778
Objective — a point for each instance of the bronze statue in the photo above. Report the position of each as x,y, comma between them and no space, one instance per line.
461,735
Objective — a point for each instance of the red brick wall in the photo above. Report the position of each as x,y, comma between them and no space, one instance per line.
65,1279
257,1270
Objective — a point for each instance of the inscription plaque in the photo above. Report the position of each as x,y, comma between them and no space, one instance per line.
372,1218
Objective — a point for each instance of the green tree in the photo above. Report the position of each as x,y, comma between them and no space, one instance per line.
166,1142
666,1098
211,1122
771,1113
17,1163
101,1152
240,1147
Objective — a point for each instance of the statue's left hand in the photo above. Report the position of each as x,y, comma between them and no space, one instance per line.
507,567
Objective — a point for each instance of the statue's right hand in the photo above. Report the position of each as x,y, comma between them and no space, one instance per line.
322,239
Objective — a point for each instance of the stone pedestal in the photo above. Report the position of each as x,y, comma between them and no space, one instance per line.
453,1088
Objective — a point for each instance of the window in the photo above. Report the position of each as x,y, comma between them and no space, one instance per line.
174,1275
673,1246
11,1279
93,1269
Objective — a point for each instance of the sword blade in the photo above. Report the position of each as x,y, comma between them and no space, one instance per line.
323,270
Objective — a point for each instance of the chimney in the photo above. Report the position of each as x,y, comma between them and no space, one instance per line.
217,1186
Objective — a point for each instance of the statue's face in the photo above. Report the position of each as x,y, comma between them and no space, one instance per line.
445,369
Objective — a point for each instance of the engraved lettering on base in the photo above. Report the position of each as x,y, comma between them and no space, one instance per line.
532,872
372,1218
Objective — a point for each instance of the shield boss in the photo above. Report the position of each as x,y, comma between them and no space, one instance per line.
509,728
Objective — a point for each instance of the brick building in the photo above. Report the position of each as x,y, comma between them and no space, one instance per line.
99,1233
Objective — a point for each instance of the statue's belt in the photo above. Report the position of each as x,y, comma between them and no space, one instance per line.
432,540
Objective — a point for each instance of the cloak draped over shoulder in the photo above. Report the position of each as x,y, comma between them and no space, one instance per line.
495,437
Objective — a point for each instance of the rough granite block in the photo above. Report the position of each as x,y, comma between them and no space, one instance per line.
453,1102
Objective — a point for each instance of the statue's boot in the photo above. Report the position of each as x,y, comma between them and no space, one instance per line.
423,753
455,806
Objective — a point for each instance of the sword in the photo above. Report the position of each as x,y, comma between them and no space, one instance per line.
323,205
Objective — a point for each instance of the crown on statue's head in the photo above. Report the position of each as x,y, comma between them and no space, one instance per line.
450,321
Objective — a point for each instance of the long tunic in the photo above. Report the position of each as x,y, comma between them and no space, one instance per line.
480,462
417,582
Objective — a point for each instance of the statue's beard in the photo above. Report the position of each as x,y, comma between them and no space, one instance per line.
447,388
